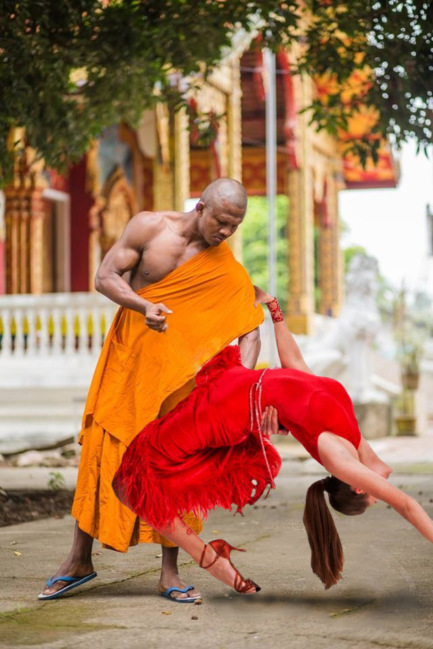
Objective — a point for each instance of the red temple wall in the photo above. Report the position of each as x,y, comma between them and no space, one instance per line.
2,268
81,202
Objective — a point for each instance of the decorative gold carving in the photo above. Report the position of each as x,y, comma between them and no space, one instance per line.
130,137
120,205
108,217
163,192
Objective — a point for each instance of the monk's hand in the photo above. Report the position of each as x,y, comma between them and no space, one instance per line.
270,421
155,318
261,297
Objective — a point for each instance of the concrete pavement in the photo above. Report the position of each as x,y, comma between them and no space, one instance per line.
384,600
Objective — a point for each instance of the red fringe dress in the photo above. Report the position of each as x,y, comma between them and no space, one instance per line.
209,451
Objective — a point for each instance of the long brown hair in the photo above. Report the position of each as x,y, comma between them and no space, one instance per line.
326,550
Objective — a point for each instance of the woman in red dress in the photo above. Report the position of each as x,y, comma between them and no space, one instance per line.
213,450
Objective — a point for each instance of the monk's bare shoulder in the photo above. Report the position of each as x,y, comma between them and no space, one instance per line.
143,227
172,220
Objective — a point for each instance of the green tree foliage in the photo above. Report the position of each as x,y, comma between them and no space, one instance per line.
70,68
255,244
393,39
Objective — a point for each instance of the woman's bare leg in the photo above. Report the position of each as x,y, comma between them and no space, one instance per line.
184,537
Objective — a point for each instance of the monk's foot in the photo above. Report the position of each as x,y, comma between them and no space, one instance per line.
172,580
68,569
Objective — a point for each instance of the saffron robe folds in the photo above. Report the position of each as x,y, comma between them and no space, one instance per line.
142,373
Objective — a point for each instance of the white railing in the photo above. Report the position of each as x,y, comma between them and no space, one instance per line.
54,324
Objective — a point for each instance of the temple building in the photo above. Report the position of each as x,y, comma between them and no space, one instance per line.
55,228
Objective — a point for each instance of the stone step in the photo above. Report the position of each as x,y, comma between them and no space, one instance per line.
45,372
36,395
36,413
39,416
16,437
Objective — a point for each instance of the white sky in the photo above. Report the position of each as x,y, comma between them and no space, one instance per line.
391,223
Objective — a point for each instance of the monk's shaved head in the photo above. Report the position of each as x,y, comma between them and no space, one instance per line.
225,190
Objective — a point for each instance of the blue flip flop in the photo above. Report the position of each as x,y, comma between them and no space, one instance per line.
72,582
180,600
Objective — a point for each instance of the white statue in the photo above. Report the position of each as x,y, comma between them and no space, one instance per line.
344,347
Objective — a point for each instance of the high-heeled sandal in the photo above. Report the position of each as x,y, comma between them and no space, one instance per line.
222,550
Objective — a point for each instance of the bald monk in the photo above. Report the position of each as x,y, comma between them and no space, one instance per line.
169,272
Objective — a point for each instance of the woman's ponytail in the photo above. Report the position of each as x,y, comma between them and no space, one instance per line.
326,550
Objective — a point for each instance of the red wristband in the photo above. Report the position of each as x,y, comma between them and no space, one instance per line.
275,311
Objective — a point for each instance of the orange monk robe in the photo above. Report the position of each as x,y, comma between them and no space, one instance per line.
142,374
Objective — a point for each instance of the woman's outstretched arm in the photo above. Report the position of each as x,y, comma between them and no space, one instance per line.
368,457
288,350
344,465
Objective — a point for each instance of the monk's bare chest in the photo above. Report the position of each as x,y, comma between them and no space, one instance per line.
161,256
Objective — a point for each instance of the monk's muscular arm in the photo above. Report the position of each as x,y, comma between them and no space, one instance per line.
249,345
123,256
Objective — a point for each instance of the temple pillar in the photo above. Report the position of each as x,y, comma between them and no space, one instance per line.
234,127
24,214
163,185
300,227
2,243
25,254
181,160
330,270
84,248
171,170
13,208
300,232
234,144
217,152
37,252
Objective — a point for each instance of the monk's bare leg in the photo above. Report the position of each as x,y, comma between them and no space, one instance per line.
184,537
79,562
170,576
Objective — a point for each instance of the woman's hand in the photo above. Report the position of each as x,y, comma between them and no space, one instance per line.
270,425
261,296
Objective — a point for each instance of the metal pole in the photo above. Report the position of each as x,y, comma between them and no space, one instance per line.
271,166
271,176
429,215
429,272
